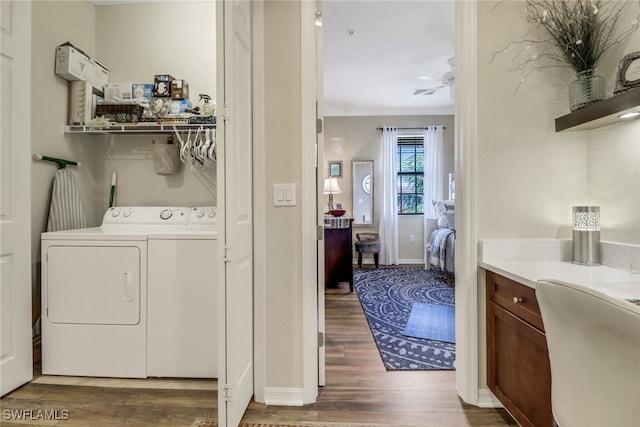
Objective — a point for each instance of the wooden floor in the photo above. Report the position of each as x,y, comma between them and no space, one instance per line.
359,390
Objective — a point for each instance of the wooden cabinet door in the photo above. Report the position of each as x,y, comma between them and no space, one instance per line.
518,370
338,258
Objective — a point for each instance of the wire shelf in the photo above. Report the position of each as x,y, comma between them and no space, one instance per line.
140,128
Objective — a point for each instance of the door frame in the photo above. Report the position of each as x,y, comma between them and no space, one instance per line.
310,186
466,136
259,207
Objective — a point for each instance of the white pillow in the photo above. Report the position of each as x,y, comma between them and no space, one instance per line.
440,209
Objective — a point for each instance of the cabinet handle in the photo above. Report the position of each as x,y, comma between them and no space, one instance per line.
517,300
127,286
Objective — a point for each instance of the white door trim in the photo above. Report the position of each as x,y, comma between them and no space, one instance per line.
259,207
309,201
467,381
466,135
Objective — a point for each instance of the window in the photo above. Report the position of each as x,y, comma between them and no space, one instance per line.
410,166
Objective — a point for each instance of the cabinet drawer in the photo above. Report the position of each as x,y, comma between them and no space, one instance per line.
514,297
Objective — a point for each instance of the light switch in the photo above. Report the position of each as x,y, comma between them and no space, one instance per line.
284,194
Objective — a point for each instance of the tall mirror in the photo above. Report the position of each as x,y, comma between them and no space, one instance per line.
362,192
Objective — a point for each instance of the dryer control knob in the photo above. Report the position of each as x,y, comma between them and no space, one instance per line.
115,213
212,214
200,214
127,214
166,214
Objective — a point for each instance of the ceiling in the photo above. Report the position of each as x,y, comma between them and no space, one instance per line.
375,52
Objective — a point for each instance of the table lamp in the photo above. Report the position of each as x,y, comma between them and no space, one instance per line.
331,187
586,235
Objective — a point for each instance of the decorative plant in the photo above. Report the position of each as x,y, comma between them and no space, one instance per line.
577,33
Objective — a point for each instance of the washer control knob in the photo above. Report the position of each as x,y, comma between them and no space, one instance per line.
127,214
200,214
212,214
115,213
166,214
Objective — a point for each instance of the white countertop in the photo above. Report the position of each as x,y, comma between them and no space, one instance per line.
616,282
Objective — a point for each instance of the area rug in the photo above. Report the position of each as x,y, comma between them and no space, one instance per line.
432,321
387,295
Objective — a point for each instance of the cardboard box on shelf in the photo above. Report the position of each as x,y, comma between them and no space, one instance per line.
162,85
178,106
97,74
142,90
70,62
179,89
117,92
73,64
81,108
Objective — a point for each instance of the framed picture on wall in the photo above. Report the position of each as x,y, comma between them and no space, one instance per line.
628,73
335,168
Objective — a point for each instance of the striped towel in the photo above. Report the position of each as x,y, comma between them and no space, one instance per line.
65,212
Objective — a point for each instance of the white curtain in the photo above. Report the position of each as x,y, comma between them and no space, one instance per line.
432,172
389,216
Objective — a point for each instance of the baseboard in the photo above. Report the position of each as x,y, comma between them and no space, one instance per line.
486,399
411,261
283,396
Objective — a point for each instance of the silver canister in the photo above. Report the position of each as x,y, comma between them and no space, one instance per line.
586,235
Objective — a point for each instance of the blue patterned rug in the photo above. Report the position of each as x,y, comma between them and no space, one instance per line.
387,295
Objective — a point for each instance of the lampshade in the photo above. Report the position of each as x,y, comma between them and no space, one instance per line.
331,186
586,218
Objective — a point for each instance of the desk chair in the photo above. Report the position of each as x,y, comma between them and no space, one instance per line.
594,351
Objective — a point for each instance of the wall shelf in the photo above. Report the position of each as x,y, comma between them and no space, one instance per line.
601,113
140,128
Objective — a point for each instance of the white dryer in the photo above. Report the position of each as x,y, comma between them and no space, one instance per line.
182,317
94,293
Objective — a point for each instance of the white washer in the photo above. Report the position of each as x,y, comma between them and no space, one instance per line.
182,317
94,293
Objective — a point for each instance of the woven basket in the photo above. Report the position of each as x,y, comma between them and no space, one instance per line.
120,113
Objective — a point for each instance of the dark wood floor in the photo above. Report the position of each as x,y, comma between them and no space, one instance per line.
359,390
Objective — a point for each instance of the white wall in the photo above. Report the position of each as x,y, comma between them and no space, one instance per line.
357,138
614,178
54,23
529,176
135,42
283,225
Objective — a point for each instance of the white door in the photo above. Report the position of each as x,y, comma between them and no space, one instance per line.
16,356
319,196
235,196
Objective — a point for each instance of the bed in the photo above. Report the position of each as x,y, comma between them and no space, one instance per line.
440,246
